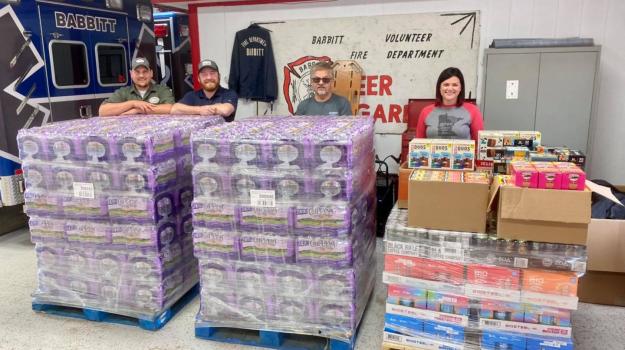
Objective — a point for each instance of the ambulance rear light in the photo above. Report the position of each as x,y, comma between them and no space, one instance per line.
144,13
115,4
161,30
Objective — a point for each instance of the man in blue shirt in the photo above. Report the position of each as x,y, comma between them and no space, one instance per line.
211,99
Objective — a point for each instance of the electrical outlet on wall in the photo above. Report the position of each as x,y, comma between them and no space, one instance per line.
512,89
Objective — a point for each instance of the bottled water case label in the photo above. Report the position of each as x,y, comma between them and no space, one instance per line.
263,198
84,190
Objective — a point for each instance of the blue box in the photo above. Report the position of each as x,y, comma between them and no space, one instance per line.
544,343
493,340
444,331
403,324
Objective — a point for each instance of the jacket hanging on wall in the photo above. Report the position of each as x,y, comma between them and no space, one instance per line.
252,68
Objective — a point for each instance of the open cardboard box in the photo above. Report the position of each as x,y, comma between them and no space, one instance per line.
451,206
604,282
402,192
532,214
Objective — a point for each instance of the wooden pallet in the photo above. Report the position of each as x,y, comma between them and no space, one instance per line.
391,346
151,324
272,339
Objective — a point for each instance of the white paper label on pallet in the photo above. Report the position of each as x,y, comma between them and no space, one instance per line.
427,315
84,190
526,328
521,262
421,343
402,248
263,198
557,301
484,292
391,278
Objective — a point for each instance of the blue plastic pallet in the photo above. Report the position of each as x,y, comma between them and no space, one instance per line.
272,339
152,324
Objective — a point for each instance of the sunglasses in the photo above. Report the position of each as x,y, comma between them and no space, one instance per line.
317,80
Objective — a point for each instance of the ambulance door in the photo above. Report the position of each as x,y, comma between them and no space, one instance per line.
68,33
111,57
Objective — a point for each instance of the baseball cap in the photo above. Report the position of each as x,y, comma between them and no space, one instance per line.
207,64
140,61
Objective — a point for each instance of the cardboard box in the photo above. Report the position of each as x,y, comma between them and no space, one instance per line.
402,193
605,284
600,287
606,245
448,206
531,214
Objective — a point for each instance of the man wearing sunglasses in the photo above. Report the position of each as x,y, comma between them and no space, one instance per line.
323,101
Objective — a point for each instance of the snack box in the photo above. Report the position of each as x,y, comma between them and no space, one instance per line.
572,177
441,153
501,310
447,303
547,316
493,276
419,153
407,296
463,155
550,282
549,177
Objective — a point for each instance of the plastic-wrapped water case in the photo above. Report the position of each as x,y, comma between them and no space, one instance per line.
283,224
109,201
488,293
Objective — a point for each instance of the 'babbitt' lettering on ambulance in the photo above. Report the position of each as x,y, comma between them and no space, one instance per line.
84,22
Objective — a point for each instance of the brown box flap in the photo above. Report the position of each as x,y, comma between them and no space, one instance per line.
404,178
606,245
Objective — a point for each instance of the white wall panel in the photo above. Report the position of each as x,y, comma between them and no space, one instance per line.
608,148
601,20
521,16
593,19
543,19
569,15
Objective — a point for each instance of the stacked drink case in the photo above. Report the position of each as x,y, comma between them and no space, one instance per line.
283,223
109,201
463,290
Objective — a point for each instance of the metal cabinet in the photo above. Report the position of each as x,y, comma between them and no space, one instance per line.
556,92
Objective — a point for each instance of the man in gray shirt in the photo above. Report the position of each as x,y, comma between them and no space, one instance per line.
323,102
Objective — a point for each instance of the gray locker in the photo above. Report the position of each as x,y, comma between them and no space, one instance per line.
556,92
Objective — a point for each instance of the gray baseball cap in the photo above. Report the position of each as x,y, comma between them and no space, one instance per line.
207,64
140,61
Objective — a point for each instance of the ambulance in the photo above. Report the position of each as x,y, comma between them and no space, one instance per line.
59,59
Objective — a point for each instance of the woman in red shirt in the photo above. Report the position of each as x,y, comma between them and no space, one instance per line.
450,117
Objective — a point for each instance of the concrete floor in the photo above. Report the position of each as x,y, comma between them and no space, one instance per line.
595,327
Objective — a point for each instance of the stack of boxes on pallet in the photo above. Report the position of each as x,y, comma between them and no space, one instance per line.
463,290
453,286
496,149
283,224
109,205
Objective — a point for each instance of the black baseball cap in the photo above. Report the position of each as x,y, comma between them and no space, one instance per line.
207,64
